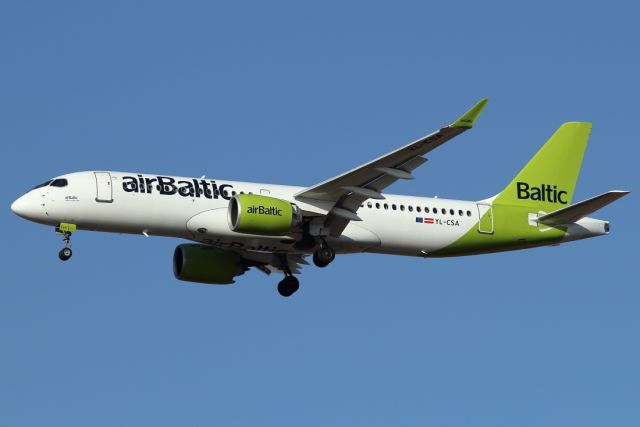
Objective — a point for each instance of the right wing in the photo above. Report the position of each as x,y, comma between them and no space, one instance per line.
350,189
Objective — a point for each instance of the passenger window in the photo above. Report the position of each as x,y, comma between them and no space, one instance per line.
386,206
402,208
426,210
460,212
435,210
452,212
468,213
410,208
394,207
418,209
369,204
377,205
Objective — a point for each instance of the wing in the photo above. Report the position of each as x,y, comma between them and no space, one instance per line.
350,189
269,262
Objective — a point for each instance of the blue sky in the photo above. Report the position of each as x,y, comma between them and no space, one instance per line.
287,92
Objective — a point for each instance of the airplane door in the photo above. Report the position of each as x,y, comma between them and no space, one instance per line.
485,214
104,192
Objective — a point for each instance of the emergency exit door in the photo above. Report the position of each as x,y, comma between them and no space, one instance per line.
485,215
104,192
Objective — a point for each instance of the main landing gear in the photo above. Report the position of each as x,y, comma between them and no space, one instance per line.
288,286
323,256
65,253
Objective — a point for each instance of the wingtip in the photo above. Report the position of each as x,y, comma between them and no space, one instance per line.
468,119
587,125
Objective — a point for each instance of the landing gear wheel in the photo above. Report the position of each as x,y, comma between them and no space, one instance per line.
317,261
65,254
288,286
324,256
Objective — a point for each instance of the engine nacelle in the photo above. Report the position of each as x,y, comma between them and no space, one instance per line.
206,264
262,215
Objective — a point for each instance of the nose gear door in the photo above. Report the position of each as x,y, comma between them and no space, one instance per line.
104,192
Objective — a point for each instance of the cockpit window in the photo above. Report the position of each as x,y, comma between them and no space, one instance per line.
60,182
44,184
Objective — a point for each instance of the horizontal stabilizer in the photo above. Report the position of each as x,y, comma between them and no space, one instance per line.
581,209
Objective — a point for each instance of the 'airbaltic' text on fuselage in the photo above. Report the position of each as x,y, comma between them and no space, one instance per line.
169,186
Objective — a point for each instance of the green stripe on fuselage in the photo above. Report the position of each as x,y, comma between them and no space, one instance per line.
511,231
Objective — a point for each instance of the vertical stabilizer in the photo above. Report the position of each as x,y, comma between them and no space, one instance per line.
548,180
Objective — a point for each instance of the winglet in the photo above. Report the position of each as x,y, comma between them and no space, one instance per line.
468,118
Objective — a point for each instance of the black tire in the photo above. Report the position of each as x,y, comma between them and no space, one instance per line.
317,261
326,255
65,254
288,286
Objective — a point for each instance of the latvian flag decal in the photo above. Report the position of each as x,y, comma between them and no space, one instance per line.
424,220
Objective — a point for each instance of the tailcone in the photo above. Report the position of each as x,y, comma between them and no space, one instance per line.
585,228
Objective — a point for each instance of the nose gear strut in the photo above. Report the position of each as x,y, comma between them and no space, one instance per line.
66,230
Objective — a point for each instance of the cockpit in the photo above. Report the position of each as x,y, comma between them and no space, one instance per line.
58,182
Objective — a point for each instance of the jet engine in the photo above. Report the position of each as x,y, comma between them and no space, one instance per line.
262,215
206,264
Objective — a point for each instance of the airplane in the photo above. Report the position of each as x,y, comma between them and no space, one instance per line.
273,228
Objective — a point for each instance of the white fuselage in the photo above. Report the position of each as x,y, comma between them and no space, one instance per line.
107,201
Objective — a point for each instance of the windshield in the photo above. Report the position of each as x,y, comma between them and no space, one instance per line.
44,184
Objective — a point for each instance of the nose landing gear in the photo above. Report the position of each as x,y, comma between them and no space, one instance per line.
66,230
65,254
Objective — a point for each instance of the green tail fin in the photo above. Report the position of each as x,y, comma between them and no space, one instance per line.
547,182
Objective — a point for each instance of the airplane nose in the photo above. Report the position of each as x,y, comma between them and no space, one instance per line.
22,207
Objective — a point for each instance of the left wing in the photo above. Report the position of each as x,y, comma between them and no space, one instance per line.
350,189
269,262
